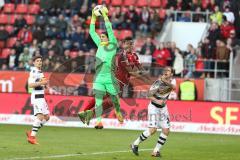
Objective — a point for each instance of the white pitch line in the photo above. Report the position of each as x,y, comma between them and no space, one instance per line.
74,155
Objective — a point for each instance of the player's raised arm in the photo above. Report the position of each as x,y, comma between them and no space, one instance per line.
92,31
108,25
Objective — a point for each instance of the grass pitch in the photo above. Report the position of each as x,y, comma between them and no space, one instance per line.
90,144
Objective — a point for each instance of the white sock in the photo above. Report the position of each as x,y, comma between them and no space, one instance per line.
43,122
36,126
161,141
142,137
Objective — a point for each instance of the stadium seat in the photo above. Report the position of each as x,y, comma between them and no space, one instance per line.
164,3
129,2
9,28
30,19
117,2
138,10
142,3
73,54
124,9
204,4
100,1
5,52
11,42
117,33
162,13
33,9
2,44
155,3
12,18
125,34
9,8
3,19
111,10
22,8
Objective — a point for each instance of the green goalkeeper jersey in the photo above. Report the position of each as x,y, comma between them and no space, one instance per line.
104,64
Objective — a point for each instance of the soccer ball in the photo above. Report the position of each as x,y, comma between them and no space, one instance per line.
99,9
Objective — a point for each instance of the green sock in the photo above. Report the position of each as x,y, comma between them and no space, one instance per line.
116,102
98,107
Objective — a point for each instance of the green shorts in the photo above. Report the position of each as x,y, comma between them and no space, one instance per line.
103,88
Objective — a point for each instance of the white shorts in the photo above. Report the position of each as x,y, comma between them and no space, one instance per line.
158,117
40,106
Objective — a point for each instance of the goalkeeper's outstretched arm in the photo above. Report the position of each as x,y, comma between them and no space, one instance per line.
92,31
108,25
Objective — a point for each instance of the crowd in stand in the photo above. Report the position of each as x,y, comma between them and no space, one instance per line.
60,33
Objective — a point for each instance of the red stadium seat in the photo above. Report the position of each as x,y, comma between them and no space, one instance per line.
73,54
2,44
124,9
34,9
164,3
155,3
100,1
5,53
138,10
22,8
30,19
162,13
116,33
142,3
204,4
3,19
129,2
117,2
9,28
11,42
12,18
9,8
111,10
125,33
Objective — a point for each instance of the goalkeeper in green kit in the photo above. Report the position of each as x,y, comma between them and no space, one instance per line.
104,80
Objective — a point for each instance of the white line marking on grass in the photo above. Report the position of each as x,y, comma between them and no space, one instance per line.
74,155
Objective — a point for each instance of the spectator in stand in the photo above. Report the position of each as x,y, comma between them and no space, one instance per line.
117,18
185,17
156,25
214,33
235,40
132,19
160,59
52,58
42,19
78,36
148,48
19,23
75,22
144,21
217,16
12,59
207,55
57,48
178,63
25,35
198,16
226,28
39,34
62,26
190,63
46,65
222,54
188,51
4,67
2,3
66,61
229,15
33,47
4,35
19,49
24,57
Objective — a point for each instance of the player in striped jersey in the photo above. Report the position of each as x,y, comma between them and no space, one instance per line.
158,115
37,81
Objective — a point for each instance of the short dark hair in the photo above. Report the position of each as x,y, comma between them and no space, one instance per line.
36,57
128,39
104,32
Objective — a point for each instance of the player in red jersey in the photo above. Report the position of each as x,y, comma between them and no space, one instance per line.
126,65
